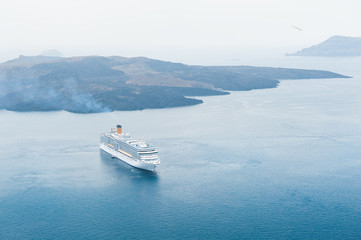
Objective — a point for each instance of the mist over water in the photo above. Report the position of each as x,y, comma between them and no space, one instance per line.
280,163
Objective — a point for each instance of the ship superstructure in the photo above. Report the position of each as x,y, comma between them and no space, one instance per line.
133,151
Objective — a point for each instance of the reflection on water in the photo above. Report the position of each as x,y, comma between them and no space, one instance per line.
121,170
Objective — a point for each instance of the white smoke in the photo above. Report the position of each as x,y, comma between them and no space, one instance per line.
20,90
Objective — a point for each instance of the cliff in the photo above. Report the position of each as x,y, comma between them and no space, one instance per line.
99,84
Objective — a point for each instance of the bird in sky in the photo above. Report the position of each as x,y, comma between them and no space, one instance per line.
297,28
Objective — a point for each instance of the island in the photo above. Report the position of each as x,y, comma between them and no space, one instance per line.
336,46
93,84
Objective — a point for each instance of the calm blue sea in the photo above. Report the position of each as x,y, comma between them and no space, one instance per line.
281,163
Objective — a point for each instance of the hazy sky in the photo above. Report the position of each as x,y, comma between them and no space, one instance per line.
171,29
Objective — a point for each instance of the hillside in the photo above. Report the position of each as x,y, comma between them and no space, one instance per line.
336,46
99,84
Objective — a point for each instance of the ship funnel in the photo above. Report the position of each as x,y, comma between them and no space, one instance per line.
119,129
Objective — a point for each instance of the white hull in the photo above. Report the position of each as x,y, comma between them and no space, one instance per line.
131,161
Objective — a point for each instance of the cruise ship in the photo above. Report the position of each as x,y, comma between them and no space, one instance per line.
130,150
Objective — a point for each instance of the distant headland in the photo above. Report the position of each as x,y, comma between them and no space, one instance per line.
336,46
99,84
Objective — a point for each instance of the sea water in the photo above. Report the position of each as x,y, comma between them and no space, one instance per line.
282,163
